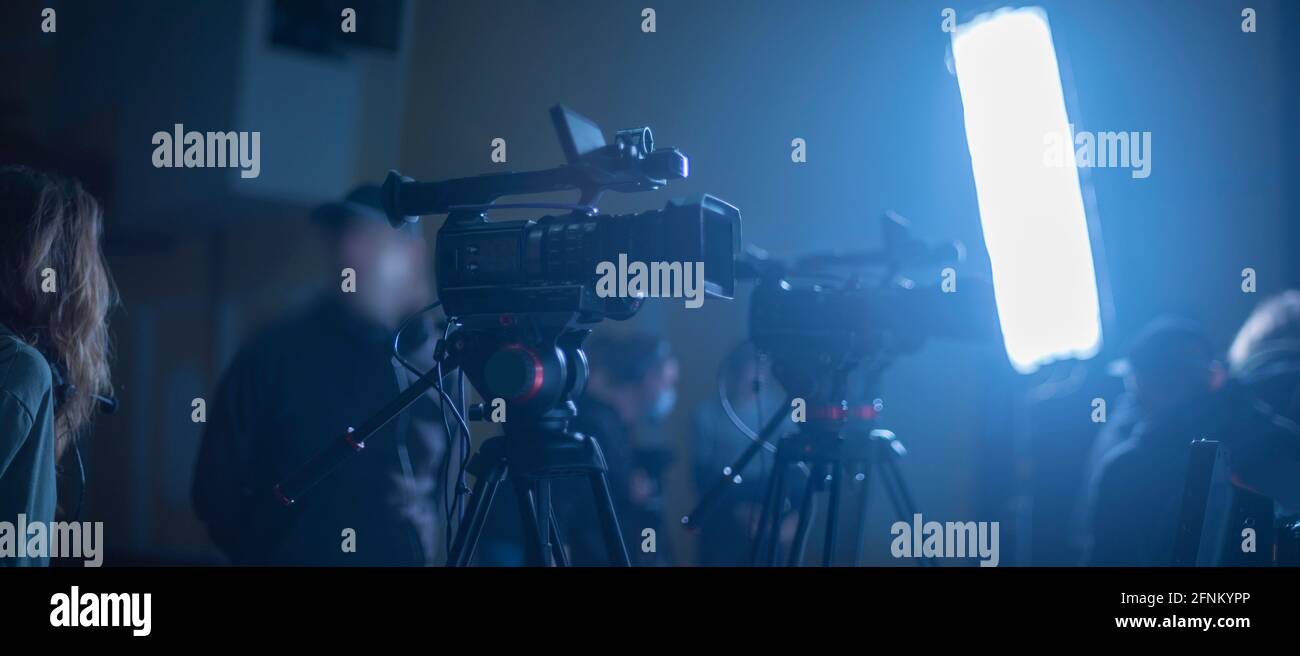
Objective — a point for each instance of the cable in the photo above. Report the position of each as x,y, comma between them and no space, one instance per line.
442,409
444,474
725,400
397,353
454,506
462,438
461,484
739,423
462,433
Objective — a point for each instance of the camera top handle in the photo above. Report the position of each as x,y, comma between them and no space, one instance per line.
631,163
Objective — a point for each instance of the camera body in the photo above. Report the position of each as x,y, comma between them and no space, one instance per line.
550,264
815,331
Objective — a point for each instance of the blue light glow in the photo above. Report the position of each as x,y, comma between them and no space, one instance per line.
1031,208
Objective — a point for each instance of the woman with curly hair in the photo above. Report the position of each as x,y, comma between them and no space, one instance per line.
55,294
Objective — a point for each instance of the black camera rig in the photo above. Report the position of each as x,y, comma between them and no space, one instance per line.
818,326
517,295
550,264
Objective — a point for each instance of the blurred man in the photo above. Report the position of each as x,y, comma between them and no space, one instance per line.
297,385
633,386
1135,485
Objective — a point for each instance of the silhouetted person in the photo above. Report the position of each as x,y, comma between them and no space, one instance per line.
1134,489
299,384
1135,497
633,385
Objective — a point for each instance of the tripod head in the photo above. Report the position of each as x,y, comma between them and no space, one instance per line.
533,362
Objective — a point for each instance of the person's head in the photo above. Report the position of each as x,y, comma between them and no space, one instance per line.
1272,328
391,265
1169,364
635,373
56,291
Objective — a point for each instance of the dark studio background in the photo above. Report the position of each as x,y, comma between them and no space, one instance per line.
202,257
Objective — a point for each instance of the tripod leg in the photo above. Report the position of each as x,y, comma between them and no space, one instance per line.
887,481
545,512
773,511
480,503
908,504
561,558
761,529
800,543
899,497
609,520
833,513
864,508
528,518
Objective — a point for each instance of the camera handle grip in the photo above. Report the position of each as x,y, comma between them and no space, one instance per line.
406,200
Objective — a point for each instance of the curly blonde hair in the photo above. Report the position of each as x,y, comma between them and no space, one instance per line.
48,222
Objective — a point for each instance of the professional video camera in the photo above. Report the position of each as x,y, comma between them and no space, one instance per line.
517,294
549,264
835,310
820,319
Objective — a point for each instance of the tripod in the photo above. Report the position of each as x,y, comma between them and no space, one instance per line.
826,451
530,460
533,362
830,453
